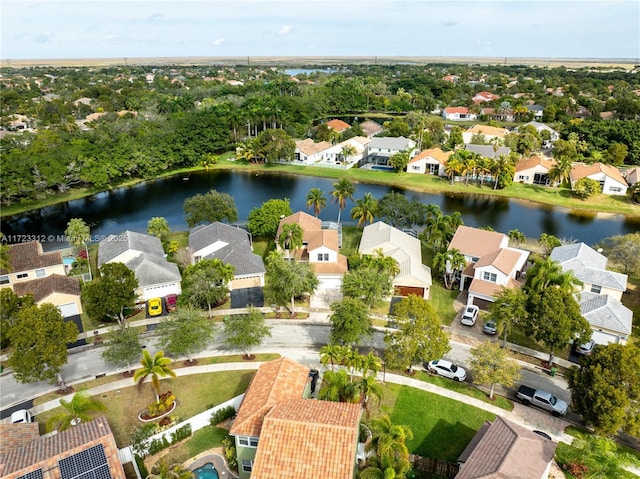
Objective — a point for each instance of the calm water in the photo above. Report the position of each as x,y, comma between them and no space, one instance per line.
131,208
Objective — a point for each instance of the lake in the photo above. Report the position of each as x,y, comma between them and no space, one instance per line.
131,208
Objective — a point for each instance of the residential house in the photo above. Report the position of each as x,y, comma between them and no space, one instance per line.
498,114
534,171
334,153
432,161
450,78
371,128
61,291
143,254
536,110
28,261
503,449
458,113
379,150
609,177
308,151
320,248
280,433
414,277
632,175
488,151
87,450
338,125
484,96
540,127
488,132
601,292
232,246
491,264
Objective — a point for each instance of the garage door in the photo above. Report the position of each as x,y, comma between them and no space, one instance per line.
240,283
69,309
160,291
329,282
603,338
407,290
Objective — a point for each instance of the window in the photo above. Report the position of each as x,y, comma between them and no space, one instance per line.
596,288
489,276
615,189
323,256
415,168
474,259
248,441
40,273
22,275
247,465
4,279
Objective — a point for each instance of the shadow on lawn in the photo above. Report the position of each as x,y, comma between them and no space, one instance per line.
448,439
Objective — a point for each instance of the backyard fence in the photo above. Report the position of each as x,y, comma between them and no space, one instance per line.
434,466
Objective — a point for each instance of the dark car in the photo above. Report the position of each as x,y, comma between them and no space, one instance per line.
171,300
490,328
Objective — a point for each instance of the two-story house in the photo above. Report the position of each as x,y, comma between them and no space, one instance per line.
320,248
491,264
380,149
601,292
432,161
280,433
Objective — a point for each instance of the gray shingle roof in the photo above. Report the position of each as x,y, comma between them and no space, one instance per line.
487,150
604,311
399,143
114,245
150,270
236,251
588,266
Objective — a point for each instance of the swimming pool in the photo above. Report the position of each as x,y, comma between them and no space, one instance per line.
206,472
382,167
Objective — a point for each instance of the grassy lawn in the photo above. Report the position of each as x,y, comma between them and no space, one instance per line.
205,438
195,393
442,428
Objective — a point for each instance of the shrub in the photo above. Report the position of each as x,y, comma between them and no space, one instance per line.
157,445
140,437
576,469
163,405
229,445
586,187
222,415
141,467
181,433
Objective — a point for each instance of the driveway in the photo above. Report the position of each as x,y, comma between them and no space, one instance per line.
322,299
77,320
244,297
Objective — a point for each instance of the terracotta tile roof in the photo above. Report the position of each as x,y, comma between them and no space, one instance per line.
310,224
436,153
582,171
44,287
61,443
506,450
371,128
488,130
328,238
503,259
338,125
308,438
274,382
476,242
485,288
326,267
456,109
16,435
310,147
29,256
527,163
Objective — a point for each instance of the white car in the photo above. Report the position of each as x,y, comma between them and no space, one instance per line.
20,416
445,368
470,315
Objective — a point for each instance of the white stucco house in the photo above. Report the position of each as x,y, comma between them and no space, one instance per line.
308,151
534,171
609,177
458,113
432,161
489,133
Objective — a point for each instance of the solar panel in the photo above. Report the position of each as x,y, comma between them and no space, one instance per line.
37,474
88,464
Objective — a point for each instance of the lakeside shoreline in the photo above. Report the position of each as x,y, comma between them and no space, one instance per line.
548,196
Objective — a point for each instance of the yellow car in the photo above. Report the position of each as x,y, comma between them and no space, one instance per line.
154,306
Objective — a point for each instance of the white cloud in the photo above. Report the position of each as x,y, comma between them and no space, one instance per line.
285,30
219,41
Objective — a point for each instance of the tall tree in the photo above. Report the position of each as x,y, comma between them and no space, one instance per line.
347,152
246,331
206,283
509,309
81,408
39,338
343,190
491,365
316,200
548,242
367,284
287,280
449,264
77,232
337,387
400,160
350,322
624,251
185,332
290,238
546,273
604,390
419,337
389,441
516,237
561,170
163,470
106,297
156,367
365,209
370,392
332,354
123,348
264,220
10,306
158,226
274,145
210,207
395,209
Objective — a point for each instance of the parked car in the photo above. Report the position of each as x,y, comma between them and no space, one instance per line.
445,368
171,300
20,416
154,306
586,348
542,399
470,315
490,328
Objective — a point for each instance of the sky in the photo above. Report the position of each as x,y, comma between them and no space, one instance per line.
49,29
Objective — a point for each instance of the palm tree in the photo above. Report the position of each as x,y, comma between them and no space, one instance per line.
290,237
371,363
343,190
369,388
548,272
316,200
247,150
347,152
81,408
384,468
162,470
516,236
561,170
352,360
156,367
389,440
365,209
447,263
453,167
332,353
338,388
499,166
